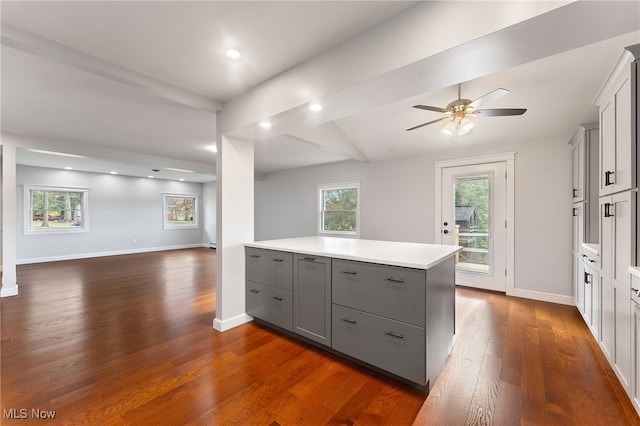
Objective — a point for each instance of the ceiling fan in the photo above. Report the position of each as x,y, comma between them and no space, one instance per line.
459,111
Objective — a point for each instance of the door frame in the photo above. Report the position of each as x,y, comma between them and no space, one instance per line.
509,159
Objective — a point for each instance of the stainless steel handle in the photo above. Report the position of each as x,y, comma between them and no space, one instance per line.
310,258
396,335
253,290
349,272
255,256
279,299
278,260
349,320
395,280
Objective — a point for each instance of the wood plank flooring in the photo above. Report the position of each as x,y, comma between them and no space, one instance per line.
128,340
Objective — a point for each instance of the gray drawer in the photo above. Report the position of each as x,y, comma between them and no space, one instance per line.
274,268
270,304
389,291
393,346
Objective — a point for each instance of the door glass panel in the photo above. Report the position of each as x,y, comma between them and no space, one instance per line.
472,230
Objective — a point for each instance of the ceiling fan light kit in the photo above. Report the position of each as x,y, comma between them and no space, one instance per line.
459,123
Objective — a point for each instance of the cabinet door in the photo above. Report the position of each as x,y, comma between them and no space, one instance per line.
607,317
622,354
624,149
606,235
596,303
580,285
624,231
635,358
578,169
607,148
312,297
589,280
578,227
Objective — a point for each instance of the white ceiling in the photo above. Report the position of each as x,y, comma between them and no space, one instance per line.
117,82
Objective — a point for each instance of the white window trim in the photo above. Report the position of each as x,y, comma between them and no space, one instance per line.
320,220
26,216
196,211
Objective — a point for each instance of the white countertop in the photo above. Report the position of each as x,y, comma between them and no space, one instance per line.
635,271
592,248
410,255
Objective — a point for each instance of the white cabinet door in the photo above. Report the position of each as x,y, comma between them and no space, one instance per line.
635,359
578,227
607,325
624,231
617,149
622,354
578,170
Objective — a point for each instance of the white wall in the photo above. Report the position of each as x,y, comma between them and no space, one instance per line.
397,203
125,216
209,212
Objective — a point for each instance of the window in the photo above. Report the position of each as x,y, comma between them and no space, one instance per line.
51,210
339,209
180,211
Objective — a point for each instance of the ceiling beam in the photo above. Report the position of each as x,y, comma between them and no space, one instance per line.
30,43
329,136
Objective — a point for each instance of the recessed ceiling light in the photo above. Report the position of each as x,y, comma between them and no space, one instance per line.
315,107
113,172
233,53
150,177
68,168
265,124
181,180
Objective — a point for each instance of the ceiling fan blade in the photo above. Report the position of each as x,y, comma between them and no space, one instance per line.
429,122
489,97
499,112
431,108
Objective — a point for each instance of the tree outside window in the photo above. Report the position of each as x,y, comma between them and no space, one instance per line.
180,211
51,210
339,209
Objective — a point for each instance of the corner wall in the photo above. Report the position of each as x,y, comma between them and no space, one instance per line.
398,197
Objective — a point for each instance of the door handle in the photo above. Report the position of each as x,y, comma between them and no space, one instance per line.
446,231
607,210
607,180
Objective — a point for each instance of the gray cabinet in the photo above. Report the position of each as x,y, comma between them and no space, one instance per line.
269,286
312,297
398,319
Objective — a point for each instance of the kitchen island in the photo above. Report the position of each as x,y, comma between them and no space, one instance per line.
389,305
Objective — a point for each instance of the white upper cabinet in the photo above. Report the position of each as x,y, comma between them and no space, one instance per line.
618,102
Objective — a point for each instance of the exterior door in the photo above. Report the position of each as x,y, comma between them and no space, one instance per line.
473,215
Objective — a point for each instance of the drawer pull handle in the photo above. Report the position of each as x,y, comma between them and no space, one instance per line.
350,272
255,256
607,178
253,290
350,321
592,261
310,258
278,260
396,335
395,280
279,299
636,291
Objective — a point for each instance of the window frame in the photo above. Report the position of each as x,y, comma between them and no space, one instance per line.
196,211
28,210
333,187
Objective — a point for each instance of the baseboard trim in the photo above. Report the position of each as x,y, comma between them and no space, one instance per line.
11,291
105,253
224,325
541,296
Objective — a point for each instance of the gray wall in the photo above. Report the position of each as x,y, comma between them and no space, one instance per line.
125,216
398,196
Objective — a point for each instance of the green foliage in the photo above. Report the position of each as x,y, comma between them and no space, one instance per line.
474,192
340,209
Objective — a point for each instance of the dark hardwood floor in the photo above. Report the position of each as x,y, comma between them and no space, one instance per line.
128,340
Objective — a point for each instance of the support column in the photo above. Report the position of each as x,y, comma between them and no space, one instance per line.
234,228
9,222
